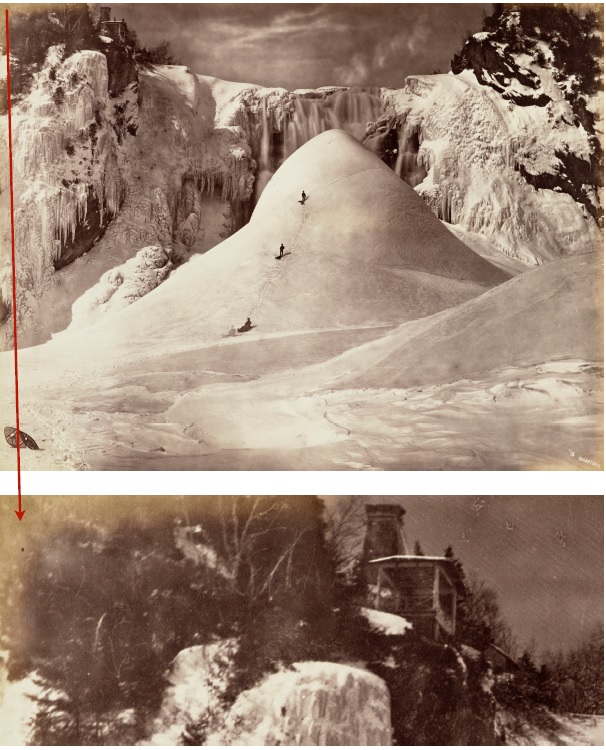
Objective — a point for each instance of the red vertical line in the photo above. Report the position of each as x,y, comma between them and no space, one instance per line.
14,269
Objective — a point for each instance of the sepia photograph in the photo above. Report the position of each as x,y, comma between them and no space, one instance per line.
305,621
302,236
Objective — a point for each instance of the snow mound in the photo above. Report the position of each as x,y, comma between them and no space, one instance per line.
368,214
540,316
123,285
385,622
314,703
363,250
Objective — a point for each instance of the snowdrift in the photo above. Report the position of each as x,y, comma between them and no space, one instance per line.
541,316
509,380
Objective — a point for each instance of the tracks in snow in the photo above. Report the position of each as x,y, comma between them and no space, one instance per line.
277,270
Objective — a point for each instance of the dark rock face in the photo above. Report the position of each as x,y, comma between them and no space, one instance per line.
5,309
382,139
121,68
428,680
572,178
495,68
86,233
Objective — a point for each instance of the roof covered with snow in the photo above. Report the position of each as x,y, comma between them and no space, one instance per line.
410,558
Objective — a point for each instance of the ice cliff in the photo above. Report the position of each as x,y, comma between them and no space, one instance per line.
311,703
104,175
506,144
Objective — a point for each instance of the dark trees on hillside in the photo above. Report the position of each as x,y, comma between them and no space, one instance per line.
161,54
574,39
33,32
479,619
108,608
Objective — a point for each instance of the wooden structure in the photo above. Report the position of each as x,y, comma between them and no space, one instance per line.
502,662
115,30
420,588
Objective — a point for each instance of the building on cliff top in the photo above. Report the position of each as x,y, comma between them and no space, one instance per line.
423,589
116,30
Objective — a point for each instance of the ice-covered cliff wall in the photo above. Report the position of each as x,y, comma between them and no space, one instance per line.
102,176
471,145
67,183
313,703
507,146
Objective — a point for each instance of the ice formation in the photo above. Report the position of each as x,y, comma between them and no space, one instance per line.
197,678
123,285
313,703
65,167
471,144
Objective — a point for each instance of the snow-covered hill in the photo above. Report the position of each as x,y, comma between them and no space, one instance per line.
364,250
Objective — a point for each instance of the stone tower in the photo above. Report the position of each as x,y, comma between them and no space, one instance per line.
384,535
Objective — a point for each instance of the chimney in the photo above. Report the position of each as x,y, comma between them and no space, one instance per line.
384,534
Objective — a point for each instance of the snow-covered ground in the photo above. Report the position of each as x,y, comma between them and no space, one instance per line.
385,622
574,730
381,343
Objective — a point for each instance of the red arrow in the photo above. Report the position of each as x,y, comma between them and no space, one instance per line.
19,513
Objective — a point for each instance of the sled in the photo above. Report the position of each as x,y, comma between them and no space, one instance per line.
10,433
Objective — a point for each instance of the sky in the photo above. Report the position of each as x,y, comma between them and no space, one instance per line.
543,555
307,45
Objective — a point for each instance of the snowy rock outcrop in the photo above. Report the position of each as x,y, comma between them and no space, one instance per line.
198,676
505,148
313,703
124,285
473,146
